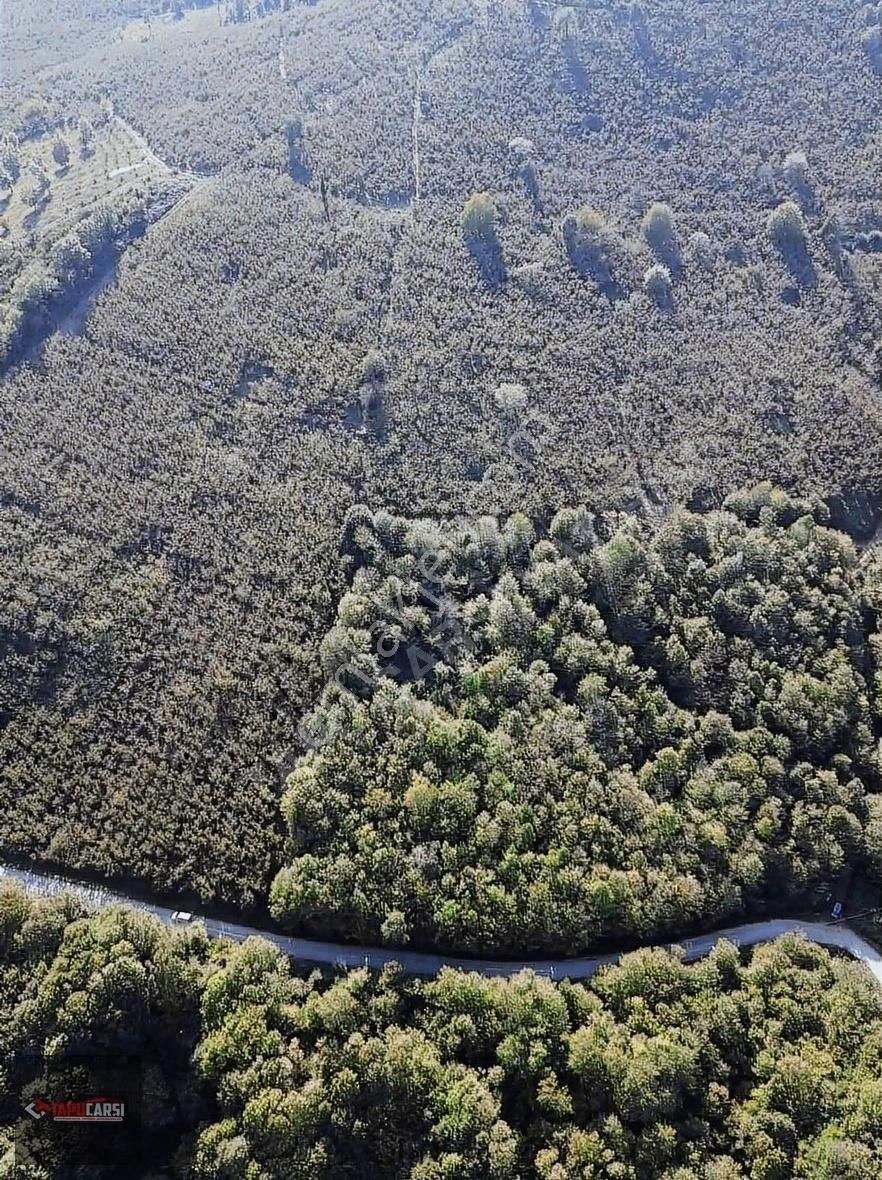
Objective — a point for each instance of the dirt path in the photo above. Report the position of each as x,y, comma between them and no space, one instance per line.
139,140
198,179
417,121
128,168
150,156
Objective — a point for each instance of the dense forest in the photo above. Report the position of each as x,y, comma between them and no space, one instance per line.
252,1070
440,258
539,742
440,504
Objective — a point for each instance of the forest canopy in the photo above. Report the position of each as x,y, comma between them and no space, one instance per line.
728,1069
545,740
262,262
384,387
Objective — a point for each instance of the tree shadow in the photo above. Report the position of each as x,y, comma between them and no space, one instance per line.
797,260
663,298
597,268
298,169
869,243
530,181
642,40
30,219
372,400
578,75
487,253
804,194
668,254
536,16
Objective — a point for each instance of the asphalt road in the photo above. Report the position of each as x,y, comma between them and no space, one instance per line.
417,963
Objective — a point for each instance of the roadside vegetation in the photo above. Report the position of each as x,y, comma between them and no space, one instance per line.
733,1068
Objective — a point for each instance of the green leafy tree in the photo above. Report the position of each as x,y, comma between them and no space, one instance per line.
591,248
660,234
479,228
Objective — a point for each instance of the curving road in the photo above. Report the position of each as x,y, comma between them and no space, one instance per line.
417,963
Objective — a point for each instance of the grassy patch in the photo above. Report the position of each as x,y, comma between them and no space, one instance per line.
116,166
